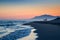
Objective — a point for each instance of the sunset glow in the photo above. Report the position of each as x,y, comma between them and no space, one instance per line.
28,10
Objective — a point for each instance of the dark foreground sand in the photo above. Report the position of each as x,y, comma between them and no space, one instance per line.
46,31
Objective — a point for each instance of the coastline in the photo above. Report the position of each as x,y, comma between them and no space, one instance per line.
46,31
32,36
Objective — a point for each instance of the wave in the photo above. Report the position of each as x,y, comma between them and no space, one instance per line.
6,31
15,31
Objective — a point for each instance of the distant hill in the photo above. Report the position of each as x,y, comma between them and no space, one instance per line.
55,21
42,17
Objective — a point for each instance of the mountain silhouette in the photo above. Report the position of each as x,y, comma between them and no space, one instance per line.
57,20
42,17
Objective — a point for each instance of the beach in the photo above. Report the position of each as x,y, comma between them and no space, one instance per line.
46,31
32,36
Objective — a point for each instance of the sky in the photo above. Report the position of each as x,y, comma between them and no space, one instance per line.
25,9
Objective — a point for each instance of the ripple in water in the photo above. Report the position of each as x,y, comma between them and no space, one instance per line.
18,32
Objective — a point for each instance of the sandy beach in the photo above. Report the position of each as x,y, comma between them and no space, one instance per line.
46,31
32,36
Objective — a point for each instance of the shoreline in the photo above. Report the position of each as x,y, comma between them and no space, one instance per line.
32,36
46,31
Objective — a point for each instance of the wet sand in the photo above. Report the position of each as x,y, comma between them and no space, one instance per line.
47,31
32,36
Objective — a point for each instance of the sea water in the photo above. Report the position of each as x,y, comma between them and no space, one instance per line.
17,32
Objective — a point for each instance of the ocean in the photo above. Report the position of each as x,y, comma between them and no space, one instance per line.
16,31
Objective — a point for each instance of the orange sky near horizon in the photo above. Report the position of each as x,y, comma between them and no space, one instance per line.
25,12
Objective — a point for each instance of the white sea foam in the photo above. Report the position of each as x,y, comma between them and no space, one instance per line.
32,36
12,29
2,29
